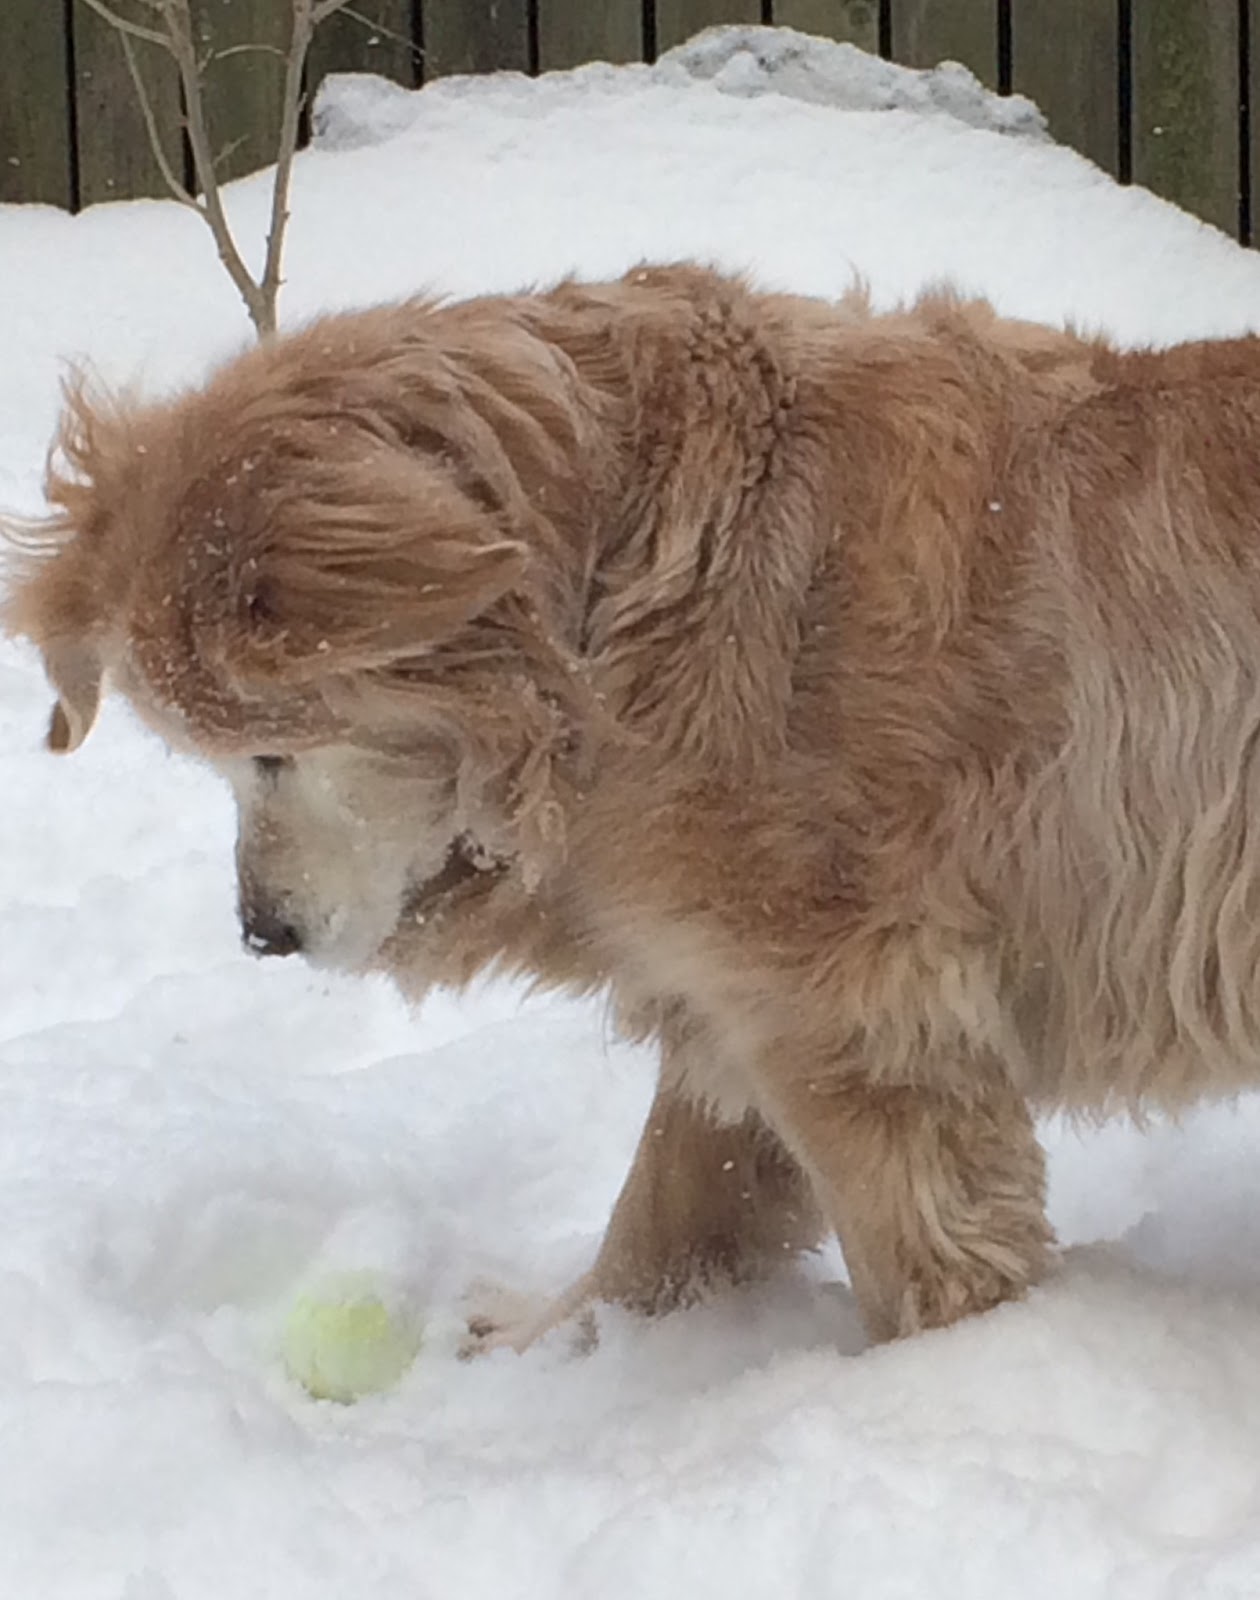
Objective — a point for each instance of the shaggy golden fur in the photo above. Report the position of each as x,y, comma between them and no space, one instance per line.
872,703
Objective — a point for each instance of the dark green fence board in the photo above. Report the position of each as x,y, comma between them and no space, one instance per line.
243,92
677,20
377,38
1072,71
568,35
1252,90
475,36
1185,104
852,21
925,32
35,158
116,160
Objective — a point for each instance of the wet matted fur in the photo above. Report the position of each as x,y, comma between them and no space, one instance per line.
871,703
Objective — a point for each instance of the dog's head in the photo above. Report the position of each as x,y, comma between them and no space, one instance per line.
331,599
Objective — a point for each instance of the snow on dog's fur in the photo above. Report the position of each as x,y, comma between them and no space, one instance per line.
871,702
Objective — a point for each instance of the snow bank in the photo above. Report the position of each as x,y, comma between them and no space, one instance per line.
753,61
354,109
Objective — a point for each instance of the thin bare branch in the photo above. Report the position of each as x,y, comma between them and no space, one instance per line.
151,127
227,151
246,50
124,25
325,9
347,10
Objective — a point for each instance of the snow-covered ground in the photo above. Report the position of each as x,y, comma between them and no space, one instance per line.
187,1138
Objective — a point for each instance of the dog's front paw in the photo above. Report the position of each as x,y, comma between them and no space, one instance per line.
939,1299
499,1318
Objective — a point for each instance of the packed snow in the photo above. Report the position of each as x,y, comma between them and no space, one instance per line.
189,1139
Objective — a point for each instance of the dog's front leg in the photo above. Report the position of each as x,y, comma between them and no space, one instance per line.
704,1205
937,1197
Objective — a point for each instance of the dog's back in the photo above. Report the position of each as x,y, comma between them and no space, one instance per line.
1038,661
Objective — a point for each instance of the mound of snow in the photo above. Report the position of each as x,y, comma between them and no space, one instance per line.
353,108
752,61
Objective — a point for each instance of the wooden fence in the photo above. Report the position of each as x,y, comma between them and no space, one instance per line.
1157,91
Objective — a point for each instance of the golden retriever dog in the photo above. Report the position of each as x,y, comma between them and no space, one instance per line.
870,703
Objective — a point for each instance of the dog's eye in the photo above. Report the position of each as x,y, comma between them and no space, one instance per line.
270,766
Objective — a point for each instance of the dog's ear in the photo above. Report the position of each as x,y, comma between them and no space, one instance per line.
74,670
63,571
367,570
49,600
304,621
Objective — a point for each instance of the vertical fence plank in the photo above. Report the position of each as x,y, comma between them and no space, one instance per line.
35,155
1185,105
116,160
925,32
1251,89
244,91
852,21
677,20
570,34
376,38
475,36
1069,64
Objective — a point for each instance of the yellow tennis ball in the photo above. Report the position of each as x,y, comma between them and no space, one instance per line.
343,1340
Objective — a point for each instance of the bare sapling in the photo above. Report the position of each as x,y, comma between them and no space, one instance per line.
168,24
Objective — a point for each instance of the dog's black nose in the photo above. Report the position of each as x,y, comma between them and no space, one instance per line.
265,935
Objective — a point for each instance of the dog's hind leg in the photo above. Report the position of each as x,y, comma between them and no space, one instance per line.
705,1205
937,1198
